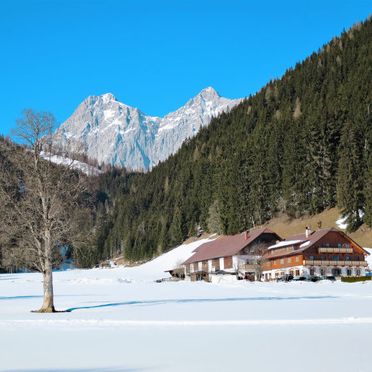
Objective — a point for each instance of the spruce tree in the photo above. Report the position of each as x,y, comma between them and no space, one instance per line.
350,197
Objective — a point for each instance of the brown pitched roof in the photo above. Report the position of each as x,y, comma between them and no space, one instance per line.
310,241
314,237
226,245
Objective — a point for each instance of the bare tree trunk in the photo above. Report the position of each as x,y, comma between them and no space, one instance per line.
48,302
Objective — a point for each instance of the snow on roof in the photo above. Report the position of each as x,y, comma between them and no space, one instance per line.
305,244
285,243
315,236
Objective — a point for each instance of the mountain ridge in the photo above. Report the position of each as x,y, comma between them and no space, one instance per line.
115,133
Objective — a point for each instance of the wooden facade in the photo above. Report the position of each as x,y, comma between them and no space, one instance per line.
228,262
283,262
324,252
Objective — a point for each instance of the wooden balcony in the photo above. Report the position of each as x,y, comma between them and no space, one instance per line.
334,263
334,250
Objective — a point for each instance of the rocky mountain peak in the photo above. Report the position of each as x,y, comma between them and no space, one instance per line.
117,134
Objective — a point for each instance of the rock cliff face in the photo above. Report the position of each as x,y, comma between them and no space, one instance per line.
117,134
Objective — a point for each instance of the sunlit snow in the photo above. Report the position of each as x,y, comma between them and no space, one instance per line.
119,319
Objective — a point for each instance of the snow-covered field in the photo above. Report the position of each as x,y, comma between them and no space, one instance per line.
121,320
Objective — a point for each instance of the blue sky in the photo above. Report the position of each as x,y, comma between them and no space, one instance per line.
154,55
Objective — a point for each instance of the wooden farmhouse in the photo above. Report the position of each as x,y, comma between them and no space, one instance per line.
326,252
230,257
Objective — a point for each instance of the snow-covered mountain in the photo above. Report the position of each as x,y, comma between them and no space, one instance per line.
115,133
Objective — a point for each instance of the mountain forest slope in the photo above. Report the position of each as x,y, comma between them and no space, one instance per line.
299,146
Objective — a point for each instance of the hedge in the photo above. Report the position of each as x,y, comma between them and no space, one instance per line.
354,279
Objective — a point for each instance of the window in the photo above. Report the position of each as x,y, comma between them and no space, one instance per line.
297,272
335,258
347,258
336,271
282,261
216,264
205,266
228,264
289,260
297,258
312,271
357,271
311,258
321,272
348,272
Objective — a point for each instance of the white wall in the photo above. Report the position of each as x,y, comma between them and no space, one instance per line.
303,271
306,271
222,278
222,263
209,265
235,262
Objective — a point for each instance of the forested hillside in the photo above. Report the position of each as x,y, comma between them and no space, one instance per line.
300,145
75,213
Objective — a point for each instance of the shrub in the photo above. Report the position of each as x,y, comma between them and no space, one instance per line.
354,279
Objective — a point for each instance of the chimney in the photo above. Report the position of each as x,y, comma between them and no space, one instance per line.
308,231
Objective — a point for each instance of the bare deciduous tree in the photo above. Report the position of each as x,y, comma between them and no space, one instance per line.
259,260
39,200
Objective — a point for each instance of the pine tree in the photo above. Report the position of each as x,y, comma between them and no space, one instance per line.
350,195
214,218
368,194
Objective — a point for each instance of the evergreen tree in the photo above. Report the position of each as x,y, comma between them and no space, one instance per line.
214,218
350,195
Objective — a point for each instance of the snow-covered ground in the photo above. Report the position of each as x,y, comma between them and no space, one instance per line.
73,164
121,320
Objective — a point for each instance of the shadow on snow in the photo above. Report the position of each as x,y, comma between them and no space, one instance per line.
104,369
18,297
198,300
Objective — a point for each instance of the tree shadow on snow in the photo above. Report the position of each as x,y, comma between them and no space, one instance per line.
19,297
104,369
198,300
26,297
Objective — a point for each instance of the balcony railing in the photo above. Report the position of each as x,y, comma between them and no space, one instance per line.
334,250
334,263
